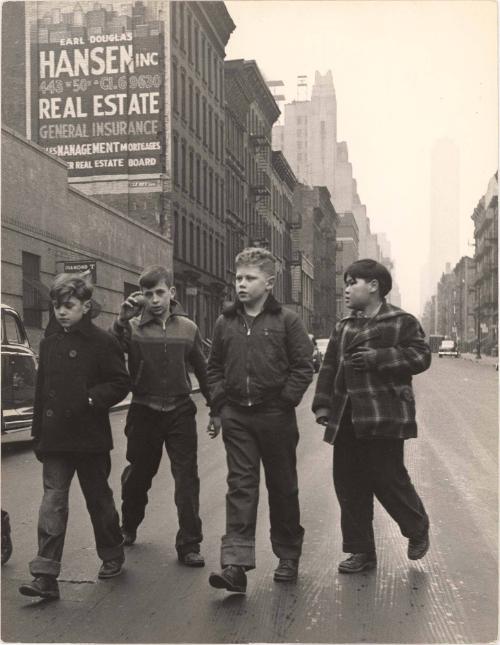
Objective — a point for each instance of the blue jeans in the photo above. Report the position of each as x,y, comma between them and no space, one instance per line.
93,471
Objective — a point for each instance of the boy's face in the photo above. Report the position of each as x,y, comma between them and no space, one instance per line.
71,311
158,298
359,293
252,283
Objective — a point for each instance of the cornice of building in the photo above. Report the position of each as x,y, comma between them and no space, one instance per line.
216,21
283,169
261,91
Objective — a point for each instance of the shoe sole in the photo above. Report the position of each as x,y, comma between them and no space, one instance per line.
217,581
33,593
366,567
109,575
192,564
282,579
420,555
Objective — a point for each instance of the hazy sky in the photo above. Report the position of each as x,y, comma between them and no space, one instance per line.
405,73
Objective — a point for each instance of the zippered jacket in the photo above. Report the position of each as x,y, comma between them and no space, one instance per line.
381,397
159,355
269,361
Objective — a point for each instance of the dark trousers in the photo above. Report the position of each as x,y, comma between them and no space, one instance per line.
148,431
251,436
364,468
93,471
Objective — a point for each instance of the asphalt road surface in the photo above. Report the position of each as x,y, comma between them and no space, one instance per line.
450,596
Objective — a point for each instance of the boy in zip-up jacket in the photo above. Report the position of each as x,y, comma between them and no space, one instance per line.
260,365
161,341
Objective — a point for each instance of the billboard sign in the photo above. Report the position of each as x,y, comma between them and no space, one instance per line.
97,87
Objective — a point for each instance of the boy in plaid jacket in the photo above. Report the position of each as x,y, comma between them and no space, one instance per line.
365,400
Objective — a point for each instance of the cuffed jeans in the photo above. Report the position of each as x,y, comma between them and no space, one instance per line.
147,431
93,471
368,467
252,435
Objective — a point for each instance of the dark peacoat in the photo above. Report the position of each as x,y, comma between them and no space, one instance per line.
381,397
75,365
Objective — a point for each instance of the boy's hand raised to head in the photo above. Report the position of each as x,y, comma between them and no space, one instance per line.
132,306
214,427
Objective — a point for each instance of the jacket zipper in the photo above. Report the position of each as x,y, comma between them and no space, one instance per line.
249,332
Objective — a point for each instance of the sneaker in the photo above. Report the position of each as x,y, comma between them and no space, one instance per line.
231,578
43,586
287,570
418,547
358,562
111,568
129,537
192,559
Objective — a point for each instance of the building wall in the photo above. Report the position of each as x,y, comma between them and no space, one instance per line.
62,224
348,252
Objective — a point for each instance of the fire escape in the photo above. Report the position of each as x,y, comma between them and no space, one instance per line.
260,188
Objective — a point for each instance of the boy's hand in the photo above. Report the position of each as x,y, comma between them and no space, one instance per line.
363,359
214,427
132,306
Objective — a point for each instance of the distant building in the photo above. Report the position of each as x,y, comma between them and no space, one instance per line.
347,253
463,303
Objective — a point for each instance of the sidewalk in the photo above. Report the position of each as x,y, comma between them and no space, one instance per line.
123,405
491,361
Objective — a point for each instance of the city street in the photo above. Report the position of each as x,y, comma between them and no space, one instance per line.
450,596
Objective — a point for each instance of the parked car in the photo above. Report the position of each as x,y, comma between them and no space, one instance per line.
19,365
322,344
317,358
448,348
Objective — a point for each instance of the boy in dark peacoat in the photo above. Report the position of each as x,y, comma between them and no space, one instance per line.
365,399
81,374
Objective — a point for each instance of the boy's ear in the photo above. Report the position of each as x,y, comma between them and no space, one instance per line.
87,305
374,286
270,281
172,292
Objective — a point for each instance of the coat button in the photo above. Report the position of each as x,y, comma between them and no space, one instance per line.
49,413
73,353
52,394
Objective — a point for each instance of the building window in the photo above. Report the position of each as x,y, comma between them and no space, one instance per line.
181,26
191,105
217,212
211,254
210,129
209,65
197,112
174,19
204,119
221,83
183,238
191,242
211,190
205,192
221,139
191,174
196,48
216,137
183,95
203,59
217,257
175,154
205,252
198,247
216,78
183,166
32,306
176,233
190,37
175,90
198,179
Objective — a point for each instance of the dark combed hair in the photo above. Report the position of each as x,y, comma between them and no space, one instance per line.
367,269
154,274
259,257
68,285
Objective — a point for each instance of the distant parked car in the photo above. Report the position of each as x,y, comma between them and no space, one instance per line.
19,365
317,358
448,348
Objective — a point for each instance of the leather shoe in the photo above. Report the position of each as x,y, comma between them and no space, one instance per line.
418,547
287,570
129,537
111,568
192,559
43,586
358,562
231,578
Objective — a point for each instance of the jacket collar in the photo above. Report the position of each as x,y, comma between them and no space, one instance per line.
175,310
84,326
386,311
271,305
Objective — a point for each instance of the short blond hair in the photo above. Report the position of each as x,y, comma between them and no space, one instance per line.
257,256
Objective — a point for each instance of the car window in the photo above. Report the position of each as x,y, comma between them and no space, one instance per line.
12,330
18,380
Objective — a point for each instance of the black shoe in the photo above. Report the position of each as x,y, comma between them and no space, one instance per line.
418,547
232,578
129,537
111,568
192,559
6,539
287,570
358,562
42,586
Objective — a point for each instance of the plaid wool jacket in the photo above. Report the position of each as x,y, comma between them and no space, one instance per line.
381,397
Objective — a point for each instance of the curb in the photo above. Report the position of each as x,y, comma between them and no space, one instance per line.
486,361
